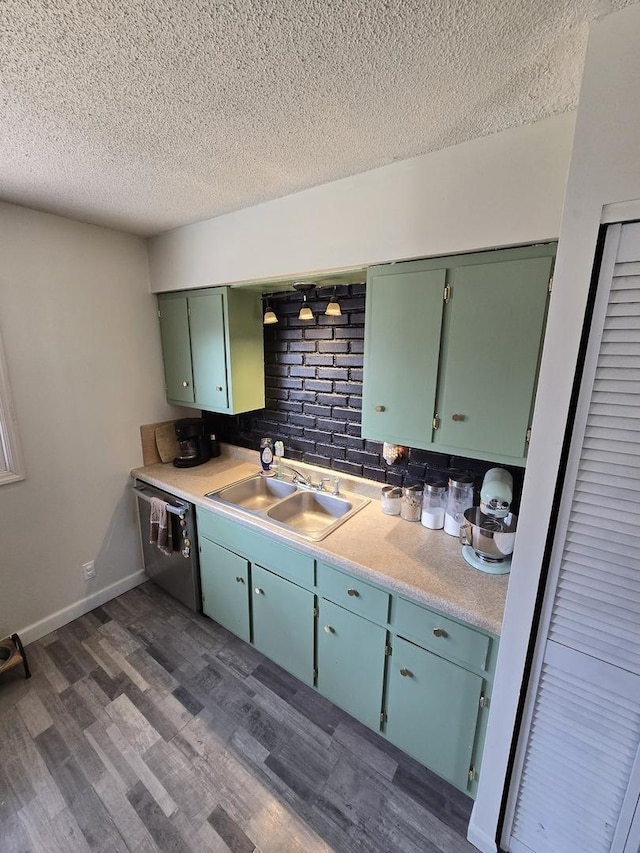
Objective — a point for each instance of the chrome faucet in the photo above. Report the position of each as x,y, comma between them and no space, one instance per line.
298,477
304,481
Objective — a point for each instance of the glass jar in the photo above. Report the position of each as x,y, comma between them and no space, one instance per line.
459,498
390,500
433,505
411,502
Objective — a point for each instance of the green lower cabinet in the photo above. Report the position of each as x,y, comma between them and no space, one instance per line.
224,577
351,660
283,622
432,710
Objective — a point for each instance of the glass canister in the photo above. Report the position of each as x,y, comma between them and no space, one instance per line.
433,505
390,499
460,497
411,502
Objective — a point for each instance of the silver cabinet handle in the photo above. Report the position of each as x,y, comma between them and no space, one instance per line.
406,672
185,384
353,592
438,632
239,579
457,417
218,387
329,629
380,408
259,591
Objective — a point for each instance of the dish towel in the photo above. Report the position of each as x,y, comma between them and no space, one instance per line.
160,533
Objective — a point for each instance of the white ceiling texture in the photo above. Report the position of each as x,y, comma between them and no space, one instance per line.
148,114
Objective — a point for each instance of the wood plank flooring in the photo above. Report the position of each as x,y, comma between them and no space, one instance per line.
146,727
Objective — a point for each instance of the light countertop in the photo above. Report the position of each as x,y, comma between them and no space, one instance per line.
423,565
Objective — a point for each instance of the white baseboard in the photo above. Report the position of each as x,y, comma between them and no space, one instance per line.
479,838
51,623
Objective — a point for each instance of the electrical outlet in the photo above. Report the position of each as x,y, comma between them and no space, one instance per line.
89,570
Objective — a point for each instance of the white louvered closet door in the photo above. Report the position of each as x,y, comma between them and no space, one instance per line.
576,781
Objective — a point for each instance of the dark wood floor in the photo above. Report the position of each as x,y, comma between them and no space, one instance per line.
146,727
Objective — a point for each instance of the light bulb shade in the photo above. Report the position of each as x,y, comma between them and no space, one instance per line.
269,317
305,313
333,309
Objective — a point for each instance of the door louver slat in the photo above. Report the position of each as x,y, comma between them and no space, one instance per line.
560,807
584,723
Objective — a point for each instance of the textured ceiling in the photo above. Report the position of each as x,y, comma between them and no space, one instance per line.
148,115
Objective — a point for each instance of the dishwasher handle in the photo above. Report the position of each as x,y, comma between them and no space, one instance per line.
180,510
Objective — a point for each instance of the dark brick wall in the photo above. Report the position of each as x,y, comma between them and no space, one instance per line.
313,377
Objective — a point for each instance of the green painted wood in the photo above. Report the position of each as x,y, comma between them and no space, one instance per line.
283,622
432,710
208,349
445,637
224,578
491,347
219,332
402,341
245,349
351,660
176,348
257,547
353,593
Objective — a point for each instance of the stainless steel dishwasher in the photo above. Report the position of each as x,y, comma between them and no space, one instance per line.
177,573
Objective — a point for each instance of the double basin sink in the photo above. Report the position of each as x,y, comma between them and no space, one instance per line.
311,513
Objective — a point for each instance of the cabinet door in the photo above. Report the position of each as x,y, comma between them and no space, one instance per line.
432,710
208,349
176,349
402,343
224,577
491,347
283,622
351,658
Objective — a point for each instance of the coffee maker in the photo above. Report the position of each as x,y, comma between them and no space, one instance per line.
194,450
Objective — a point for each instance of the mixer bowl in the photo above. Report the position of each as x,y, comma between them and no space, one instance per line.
491,538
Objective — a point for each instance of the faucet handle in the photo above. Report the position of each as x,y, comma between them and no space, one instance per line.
323,483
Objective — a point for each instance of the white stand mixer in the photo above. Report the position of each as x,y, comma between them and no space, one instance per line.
488,532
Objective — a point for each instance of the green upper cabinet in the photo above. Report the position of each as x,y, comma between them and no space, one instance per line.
212,347
176,348
452,348
493,331
402,343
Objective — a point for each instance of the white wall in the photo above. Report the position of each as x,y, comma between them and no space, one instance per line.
500,190
82,344
604,169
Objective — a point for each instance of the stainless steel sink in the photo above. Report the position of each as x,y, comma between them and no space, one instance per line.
256,493
312,514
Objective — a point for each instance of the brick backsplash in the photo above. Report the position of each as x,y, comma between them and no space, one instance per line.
313,397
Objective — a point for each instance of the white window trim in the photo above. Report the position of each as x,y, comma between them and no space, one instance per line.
9,440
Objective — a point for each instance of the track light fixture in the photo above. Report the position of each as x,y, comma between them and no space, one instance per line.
333,308
304,287
269,315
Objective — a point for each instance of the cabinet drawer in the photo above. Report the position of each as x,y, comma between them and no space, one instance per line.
354,594
257,548
441,635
